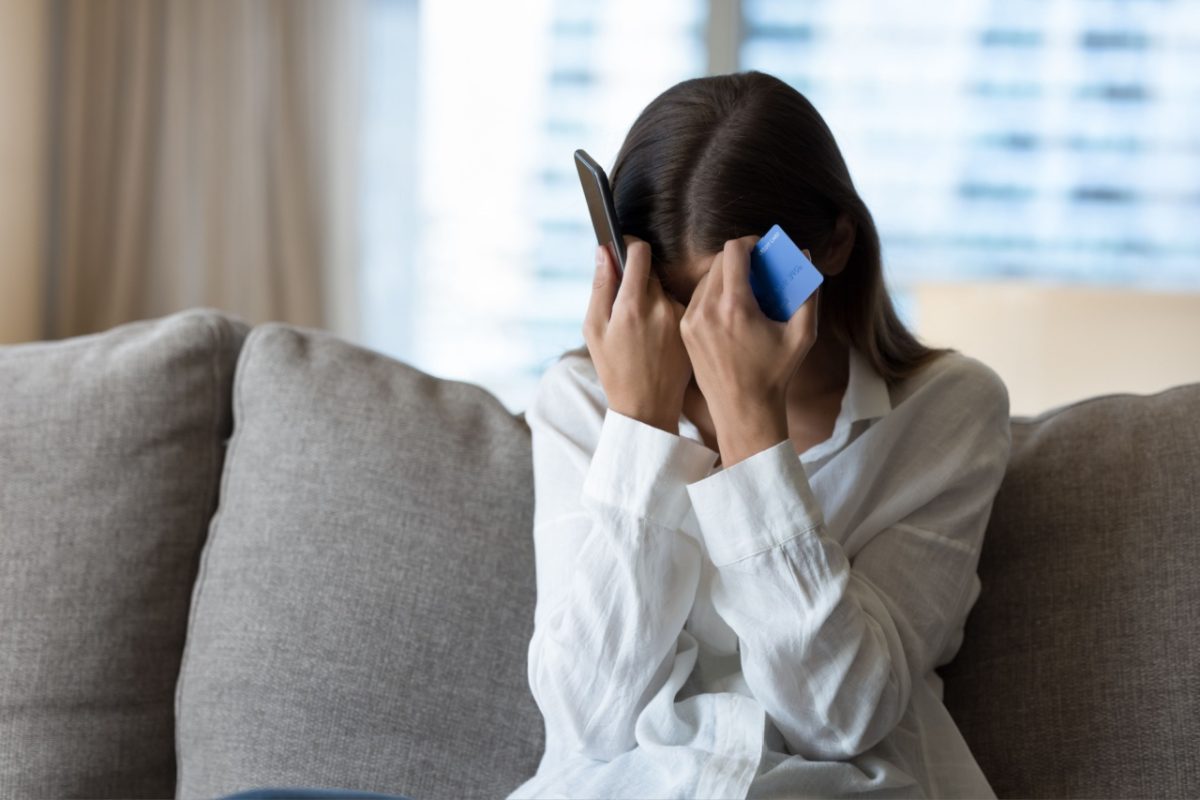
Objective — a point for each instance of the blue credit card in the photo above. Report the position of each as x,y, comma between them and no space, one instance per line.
780,276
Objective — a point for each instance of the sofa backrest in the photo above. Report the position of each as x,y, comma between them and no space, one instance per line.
1079,673
361,610
111,448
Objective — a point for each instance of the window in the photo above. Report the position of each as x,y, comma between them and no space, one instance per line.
1019,139
1055,142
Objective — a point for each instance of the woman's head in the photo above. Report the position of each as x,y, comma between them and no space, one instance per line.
720,157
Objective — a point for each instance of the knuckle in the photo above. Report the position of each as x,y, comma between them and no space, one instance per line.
625,314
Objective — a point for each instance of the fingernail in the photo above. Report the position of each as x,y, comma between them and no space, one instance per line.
599,256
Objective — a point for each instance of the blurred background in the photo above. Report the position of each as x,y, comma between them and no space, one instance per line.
400,172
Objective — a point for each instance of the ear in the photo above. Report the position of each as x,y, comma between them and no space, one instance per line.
841,243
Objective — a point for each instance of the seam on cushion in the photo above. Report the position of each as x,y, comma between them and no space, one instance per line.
214,373
1050,413
240,365
86,340
131,328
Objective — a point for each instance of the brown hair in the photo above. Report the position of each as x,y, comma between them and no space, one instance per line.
725,156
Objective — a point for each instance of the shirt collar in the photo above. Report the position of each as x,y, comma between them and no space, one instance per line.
866,394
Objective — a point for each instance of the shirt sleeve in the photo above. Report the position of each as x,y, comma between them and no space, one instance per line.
831,647
616,577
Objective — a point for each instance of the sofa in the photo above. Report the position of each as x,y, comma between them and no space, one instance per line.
236,556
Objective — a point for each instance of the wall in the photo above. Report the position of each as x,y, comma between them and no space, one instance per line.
22,130
1055,344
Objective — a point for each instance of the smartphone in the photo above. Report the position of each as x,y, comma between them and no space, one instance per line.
600,206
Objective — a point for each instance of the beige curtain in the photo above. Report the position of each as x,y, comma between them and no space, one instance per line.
202,153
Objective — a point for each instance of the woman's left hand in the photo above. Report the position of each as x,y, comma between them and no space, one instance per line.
742,359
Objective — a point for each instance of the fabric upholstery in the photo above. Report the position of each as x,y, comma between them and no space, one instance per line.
365,599
111,448
1078,673
366,594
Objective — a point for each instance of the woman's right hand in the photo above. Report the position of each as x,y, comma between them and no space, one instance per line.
632,333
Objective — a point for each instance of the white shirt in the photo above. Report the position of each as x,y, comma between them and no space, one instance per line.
769,629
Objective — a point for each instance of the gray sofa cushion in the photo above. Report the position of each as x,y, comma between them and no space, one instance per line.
110,454
1078,674
365,598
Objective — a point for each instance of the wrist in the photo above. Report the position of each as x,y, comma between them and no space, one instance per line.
751,433
654,419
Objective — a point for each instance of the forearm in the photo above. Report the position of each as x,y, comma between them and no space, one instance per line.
615,582
599,654
828,665
827,662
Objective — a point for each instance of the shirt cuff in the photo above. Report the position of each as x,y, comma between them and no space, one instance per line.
644,470
755,505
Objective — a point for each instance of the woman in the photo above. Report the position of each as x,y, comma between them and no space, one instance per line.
755,540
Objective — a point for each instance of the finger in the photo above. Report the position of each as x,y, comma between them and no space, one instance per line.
736,268
637,271
604,290
689,312
803,324
705,283
717,275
